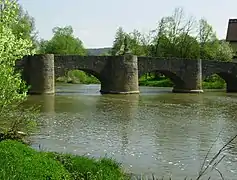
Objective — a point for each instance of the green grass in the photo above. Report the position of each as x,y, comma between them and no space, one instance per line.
212,82
155,83
78,77
21,162
213,85
81,167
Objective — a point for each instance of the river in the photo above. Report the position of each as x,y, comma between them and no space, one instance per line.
154,132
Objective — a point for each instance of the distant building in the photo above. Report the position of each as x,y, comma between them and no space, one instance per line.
231,36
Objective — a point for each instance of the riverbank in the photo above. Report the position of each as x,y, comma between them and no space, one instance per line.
212,82
21,162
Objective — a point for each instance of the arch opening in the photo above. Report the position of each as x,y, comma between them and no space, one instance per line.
220,80
214,81
158,78
80,76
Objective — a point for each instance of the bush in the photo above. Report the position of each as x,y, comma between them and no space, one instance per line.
13,90
78,77
214,82
20,162
156,83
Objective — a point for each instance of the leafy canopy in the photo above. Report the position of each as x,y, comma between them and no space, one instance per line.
12,48
176,36
62,42
13,90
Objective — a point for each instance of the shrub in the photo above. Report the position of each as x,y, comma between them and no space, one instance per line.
13,90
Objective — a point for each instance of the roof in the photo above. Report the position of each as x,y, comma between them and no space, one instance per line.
232,30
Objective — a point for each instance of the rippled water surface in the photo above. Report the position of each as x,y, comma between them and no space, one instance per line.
155,132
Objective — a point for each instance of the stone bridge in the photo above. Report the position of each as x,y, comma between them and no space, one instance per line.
120,74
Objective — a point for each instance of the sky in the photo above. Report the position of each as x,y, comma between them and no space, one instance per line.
95,22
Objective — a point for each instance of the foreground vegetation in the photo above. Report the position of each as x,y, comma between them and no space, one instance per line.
21,162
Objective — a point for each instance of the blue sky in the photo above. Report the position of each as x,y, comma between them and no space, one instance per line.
95,21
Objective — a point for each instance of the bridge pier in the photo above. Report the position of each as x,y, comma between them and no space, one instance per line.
38,72
122,77
191,74
231,85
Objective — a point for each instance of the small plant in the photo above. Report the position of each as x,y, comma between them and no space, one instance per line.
18,123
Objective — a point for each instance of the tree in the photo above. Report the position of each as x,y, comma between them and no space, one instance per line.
63,42
137,42
119,40
207,39
187,47
25,28
13,90
224,52
173,36
210,47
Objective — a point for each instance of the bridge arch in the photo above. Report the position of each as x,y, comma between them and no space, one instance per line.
175,79
65,73
229,78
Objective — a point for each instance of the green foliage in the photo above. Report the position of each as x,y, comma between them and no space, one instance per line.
78,77
63,42
224,52
25,28
155,81
81,167
20,162
176,36
119,41
214,82
12,49
13,90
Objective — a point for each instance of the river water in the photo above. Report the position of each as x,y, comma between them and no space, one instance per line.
154,132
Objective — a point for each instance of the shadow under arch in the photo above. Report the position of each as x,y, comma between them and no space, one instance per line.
176,80
91,72
230,80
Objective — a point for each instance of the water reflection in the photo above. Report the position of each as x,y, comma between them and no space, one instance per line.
46,103
163,132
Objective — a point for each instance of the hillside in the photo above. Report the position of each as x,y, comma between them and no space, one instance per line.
97,51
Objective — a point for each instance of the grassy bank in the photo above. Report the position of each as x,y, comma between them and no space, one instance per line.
78,77
212,82
21,162
155,82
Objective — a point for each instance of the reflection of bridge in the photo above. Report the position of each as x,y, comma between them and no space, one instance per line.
119,74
